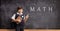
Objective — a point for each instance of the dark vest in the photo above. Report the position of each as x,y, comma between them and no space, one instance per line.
22,16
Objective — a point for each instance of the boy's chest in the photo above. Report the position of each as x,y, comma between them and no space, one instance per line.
22,16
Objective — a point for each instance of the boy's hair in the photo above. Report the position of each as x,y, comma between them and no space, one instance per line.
19,8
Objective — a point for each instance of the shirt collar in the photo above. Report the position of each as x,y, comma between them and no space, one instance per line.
18,13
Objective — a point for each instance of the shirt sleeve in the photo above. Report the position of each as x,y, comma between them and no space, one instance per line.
13,17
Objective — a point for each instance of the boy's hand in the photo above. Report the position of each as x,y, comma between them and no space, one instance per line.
27,16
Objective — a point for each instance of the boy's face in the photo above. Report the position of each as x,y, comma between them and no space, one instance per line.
20,10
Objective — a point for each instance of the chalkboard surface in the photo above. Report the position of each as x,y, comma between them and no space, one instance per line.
43,13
